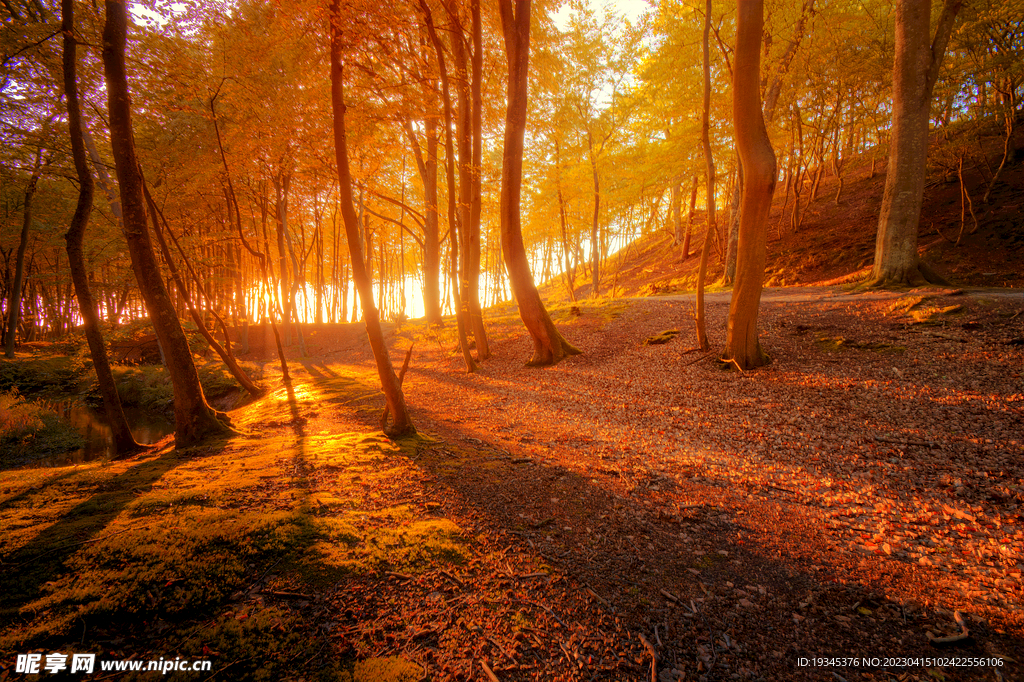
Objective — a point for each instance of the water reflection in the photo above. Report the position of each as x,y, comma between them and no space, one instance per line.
147,427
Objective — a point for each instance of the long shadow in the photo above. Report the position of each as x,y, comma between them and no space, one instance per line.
647,553
31,490
28,569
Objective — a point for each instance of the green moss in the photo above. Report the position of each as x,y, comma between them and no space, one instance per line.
835,344
390,669
169,551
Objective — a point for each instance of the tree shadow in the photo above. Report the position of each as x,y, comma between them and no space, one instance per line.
681,564
31,490
29,568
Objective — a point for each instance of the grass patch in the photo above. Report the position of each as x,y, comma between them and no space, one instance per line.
833,344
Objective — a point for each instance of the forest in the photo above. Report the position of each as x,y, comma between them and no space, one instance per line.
512,340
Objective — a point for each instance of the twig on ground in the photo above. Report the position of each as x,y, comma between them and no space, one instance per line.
552,613
654,656
599,598
694,362
490,673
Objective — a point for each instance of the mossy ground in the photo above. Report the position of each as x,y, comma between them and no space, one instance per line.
219,552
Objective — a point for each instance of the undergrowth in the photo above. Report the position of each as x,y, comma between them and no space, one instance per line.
27,427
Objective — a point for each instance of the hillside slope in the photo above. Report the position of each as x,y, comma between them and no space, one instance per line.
836,239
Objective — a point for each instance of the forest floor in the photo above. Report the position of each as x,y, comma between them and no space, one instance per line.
847,502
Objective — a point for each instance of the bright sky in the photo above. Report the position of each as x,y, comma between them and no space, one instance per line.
628,9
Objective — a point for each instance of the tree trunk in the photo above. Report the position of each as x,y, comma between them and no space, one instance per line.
476,317
734,228
194,419
427,168
689,218
14,300
124,442
569,267
915,70
453,226
757,161
548,345
402,424
229,361
709,163
470,154
676,210
595,247
282,185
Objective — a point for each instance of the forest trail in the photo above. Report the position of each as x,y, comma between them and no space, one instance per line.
820,293
842,502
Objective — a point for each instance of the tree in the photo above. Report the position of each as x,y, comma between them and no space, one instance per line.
759,174
124,442
194,419
548,345
14,300
390,383
709,163
915,70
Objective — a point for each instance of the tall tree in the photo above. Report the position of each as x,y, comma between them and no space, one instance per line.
14,302
390,383
472,259
915,70
124,442
548,345
709,164
758,163
194,419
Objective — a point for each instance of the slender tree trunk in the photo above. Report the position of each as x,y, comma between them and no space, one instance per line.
124,442
595,247
483,348
771,96
757,161
468,134
689,218
194,419
431,232
548,345
229,361
261,257
734,227
282,185
569,269
709,164
676,210
453,226
14,301
915,70
402,424
101,174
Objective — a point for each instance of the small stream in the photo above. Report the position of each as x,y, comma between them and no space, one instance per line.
147,427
